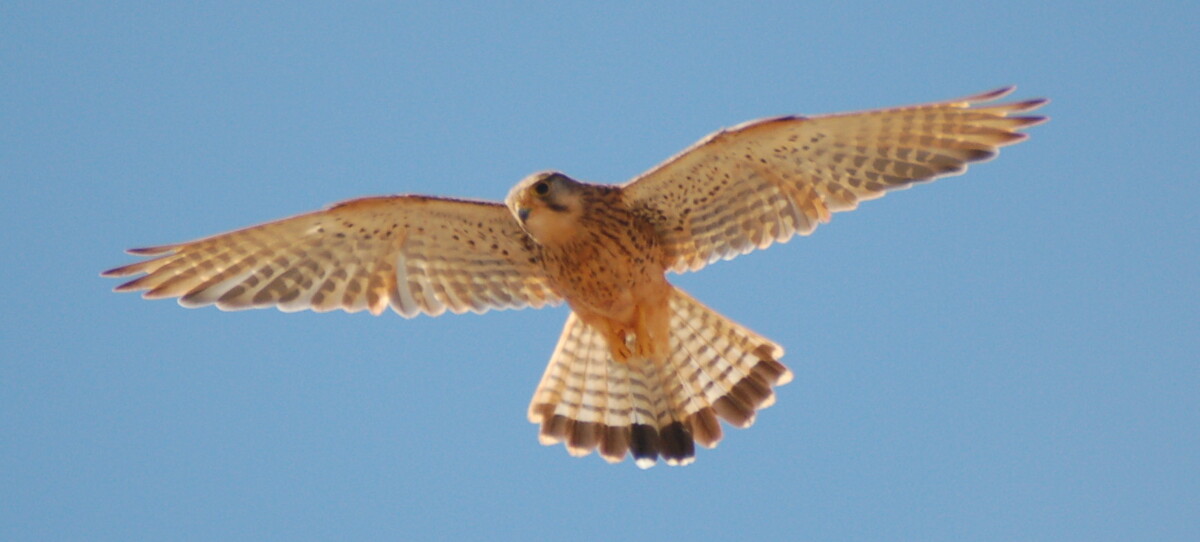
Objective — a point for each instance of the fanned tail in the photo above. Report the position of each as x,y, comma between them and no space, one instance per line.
716,368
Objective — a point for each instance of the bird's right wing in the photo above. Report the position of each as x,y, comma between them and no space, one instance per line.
767,180
413,253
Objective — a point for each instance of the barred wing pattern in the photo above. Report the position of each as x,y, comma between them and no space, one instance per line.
415,254
764,181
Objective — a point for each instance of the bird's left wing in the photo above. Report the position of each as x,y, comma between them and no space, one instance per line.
768,180
413,253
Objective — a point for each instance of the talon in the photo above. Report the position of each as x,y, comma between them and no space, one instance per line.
621,353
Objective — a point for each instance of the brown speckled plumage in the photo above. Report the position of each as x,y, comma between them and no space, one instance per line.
641,368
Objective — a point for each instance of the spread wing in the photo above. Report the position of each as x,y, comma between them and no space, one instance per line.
412,253
764,181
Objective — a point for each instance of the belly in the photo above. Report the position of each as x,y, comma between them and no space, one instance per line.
606,276
615,281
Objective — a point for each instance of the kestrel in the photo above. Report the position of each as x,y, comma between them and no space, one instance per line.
641,367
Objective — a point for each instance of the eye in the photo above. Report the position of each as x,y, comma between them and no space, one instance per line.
541,188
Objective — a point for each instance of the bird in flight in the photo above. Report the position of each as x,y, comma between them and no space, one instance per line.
641,367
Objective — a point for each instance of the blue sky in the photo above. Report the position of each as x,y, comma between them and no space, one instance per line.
1007,355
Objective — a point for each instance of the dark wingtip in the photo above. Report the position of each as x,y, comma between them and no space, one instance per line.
1030,105
983,155
150,251
132,268
130,286
1033,121
993,94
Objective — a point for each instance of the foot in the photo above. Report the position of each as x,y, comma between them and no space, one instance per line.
618,345
621,353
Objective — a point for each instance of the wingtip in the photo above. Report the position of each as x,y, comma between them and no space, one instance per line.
1028,105
987,96
130,286
122,271
1010,108
997,93
1034,121
992,95
150,251
129,269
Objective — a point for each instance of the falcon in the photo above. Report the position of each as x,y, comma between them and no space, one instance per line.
641,367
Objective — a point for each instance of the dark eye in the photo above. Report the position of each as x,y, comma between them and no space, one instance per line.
541,188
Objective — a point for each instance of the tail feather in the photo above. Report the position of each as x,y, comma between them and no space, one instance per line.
734,366
675,443
591,412
618,418
650,408
552,401
644,438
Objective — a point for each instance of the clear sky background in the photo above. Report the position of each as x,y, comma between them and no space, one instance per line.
1008,355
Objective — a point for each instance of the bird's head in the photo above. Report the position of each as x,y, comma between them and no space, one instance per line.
547,205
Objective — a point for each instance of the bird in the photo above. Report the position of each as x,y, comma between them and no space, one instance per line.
641,368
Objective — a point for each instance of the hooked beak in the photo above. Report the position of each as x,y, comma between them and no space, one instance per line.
523,214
